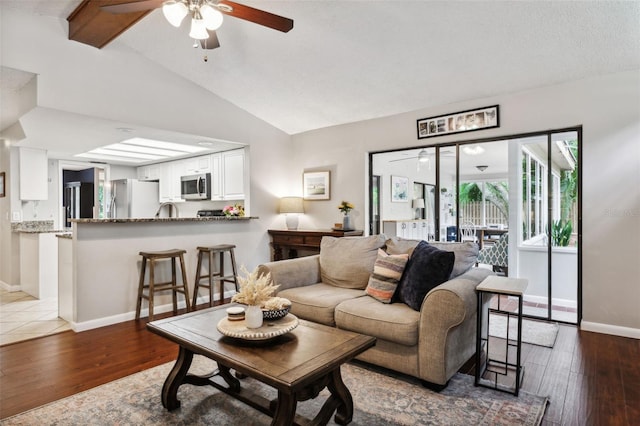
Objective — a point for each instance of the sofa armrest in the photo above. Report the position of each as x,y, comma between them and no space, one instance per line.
448,326
291,273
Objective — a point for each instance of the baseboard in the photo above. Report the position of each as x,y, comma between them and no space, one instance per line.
10,288
614,330
554,301
128,316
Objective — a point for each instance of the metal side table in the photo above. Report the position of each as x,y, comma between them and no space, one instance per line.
494,285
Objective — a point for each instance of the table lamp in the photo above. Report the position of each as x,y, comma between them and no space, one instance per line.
291,207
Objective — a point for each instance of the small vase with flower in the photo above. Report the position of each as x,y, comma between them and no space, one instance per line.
345,207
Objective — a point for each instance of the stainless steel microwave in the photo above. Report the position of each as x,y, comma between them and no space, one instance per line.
196,187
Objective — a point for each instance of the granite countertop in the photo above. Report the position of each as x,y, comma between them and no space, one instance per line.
41,231
169,219
35,227
65,235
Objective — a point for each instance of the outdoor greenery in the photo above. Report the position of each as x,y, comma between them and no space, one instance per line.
561,233
497,193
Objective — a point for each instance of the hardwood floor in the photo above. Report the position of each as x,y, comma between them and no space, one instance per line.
590,378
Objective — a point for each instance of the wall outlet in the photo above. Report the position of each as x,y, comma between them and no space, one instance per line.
16,216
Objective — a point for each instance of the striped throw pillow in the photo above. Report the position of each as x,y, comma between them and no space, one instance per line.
387,272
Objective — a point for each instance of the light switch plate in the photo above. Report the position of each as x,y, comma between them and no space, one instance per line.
16,216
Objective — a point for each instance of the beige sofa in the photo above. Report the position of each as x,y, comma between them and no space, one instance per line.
431,344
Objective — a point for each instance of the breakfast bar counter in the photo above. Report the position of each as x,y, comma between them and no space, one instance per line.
104,261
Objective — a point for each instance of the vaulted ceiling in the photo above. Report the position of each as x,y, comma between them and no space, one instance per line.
347,61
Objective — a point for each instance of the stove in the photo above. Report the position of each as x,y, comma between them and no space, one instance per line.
209,213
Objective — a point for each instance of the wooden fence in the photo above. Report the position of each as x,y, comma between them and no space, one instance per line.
473,212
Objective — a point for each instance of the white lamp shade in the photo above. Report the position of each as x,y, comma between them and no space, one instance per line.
291,205
212,17
198,29
174,12
418,203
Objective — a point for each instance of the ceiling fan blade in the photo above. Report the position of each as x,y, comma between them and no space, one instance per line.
402,159
212,42
256,16
132,6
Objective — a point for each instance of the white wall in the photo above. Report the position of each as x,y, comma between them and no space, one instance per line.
125,87
608,108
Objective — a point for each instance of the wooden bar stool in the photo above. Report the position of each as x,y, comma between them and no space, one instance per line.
153,287
212,275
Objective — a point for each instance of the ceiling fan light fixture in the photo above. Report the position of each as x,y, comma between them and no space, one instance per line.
212,17
482,168
198,28
174,12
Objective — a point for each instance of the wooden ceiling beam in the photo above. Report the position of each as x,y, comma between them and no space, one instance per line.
91,25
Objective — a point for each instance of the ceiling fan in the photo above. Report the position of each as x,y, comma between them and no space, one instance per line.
98,22
424,156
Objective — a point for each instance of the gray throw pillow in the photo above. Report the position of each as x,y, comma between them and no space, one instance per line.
466,253
347,262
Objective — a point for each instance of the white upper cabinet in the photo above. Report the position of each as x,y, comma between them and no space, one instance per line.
216,176
228,175
233,174
170,174
33,174
150,172
196,165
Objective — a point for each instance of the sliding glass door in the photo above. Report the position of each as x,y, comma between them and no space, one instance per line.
516,197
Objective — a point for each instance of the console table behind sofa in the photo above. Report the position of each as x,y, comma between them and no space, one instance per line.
308,240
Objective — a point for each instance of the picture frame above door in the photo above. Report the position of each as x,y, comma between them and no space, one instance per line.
458,122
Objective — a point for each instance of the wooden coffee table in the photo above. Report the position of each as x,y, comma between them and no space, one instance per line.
298,364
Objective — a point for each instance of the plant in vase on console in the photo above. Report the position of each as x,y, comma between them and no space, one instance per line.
346,207
233,210
254,292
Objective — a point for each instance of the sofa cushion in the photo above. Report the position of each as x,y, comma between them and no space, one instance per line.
466,253
427,268
387,272
395,322
317,302
348,262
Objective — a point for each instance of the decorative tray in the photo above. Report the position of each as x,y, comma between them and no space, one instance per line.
269,330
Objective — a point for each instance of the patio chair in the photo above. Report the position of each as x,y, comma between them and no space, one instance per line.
468,232
497,255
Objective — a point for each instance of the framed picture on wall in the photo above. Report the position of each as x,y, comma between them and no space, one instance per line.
399,189
2,184
316,185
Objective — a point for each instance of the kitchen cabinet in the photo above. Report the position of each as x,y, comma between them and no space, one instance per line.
33,174
39,264
169,187
66,292
196,165
227,175
409,229
233,175
150,172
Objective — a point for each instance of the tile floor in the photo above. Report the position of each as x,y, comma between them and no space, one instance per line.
558,313
24,317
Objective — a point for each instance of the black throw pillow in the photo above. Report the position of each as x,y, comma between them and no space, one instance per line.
427,268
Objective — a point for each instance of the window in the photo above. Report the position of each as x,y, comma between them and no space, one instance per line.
534,197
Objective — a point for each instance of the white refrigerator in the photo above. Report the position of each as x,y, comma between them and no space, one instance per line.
133,199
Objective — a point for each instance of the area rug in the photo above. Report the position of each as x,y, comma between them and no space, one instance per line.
379,399
535,332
